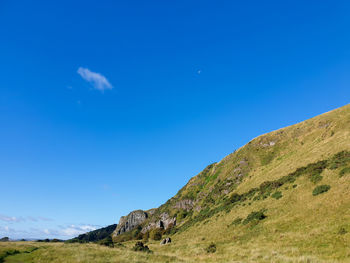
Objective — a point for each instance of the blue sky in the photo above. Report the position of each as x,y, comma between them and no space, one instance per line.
111,106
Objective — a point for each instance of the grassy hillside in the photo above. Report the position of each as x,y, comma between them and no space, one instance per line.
283,197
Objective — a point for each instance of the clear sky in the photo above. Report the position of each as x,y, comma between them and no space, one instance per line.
111,106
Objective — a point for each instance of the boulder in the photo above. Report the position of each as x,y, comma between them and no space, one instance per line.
165,241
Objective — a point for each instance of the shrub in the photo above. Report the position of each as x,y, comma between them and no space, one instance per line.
108,242
344,171
339,159
136,233
254,216
211,248
277,195
268,186
139,246
237,221
321,189
315,178
156,234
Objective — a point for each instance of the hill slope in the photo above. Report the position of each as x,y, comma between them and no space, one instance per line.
95,235
274,175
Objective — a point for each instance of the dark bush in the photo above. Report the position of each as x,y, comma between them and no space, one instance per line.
340,159
237,221
254,216
108,242
139,246
344,171
315,178
277,195
268,186
321,189
156,234
211,248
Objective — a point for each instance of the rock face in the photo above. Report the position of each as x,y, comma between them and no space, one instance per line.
186,204
131,221
139,218
164,222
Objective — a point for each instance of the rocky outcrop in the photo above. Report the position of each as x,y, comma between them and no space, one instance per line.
131,221
186,204
164,222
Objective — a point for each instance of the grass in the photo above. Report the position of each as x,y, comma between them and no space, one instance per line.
299,227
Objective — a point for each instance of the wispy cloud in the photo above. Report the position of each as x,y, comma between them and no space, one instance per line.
15,219
11,218
97,80
39,218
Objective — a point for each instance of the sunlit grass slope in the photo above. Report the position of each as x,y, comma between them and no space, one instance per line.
283,197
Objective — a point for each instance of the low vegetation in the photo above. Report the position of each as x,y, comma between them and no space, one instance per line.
255,217
321,189
139,246
344,171
277,195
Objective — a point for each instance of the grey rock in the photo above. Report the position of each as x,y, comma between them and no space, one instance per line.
186,204
131,221
164,221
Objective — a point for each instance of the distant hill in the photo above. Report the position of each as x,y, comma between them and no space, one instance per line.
94,236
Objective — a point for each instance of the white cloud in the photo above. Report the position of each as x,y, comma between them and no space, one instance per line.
11,218
97,80
75,230
15,219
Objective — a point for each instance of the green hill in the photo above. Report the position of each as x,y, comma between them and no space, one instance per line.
94,236
295,178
